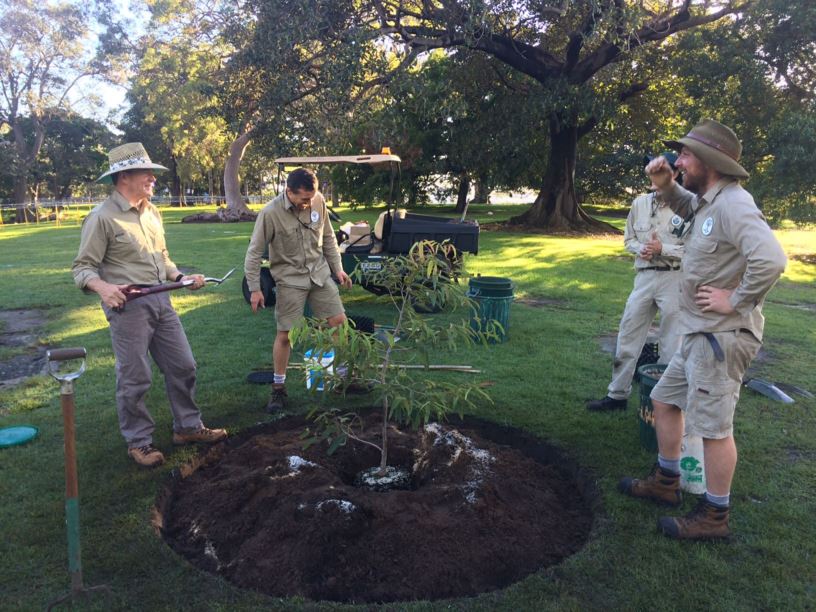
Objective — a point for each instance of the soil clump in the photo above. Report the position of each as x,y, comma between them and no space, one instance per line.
486,507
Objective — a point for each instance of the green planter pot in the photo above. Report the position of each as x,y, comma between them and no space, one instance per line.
493,295
649,375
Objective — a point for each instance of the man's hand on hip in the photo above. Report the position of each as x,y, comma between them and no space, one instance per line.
256,300
712,299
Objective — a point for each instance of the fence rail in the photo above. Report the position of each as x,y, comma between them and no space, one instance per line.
157,200
46,211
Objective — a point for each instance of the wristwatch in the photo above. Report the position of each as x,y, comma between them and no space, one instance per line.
179,277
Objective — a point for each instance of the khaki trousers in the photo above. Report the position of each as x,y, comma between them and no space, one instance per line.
654,291
150,325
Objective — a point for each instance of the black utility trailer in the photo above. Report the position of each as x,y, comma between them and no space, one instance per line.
394,233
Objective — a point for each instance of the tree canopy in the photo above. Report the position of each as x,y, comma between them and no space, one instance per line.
563,97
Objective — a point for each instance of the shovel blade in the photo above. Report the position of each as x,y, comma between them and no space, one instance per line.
768,389
789,389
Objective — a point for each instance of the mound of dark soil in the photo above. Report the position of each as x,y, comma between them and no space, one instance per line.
271,516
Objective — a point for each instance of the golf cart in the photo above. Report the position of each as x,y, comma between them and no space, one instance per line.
394,233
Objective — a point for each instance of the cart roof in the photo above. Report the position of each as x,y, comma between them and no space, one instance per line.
339,159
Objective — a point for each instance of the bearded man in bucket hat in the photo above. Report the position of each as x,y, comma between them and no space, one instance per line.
732,260
654,235
123,244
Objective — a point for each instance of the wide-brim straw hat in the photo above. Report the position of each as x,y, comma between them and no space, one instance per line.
716,145
129,156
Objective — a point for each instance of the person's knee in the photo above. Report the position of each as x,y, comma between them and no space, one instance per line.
282,339
663,406
180,367
337,320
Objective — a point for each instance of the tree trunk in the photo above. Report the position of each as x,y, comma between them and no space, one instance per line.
482,195
26,157
236,207
175,180
556,208
462,193
335,198
21,197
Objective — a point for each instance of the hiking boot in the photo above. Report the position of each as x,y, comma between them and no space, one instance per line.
660,486
146,456
607,403
277,399
199,435
705,522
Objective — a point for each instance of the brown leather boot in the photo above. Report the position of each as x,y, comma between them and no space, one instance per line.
705,522
205,434
277,399
146,456
660,486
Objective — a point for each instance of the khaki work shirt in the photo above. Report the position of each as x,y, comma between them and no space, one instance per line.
729,246
123,246
302,247
649,215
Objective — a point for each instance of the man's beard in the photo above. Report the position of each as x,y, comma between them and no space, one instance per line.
691,183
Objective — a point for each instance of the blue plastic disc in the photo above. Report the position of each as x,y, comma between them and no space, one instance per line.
17,434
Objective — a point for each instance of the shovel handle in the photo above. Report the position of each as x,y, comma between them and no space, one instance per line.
134,291
66,354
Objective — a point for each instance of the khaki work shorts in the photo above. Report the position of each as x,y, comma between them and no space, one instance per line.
706,389
324,301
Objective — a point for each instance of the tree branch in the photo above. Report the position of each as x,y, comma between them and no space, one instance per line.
677,22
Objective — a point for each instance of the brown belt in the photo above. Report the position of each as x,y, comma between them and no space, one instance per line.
661,268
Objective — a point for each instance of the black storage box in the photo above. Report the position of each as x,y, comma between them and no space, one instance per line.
407,231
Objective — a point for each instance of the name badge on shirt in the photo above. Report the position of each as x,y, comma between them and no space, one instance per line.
707,225
315,216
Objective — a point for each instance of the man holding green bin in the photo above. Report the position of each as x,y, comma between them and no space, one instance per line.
732,260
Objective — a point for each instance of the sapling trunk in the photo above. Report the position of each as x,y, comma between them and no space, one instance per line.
383,373
384,454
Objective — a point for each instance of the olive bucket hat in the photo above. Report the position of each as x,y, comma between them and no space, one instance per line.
129,156
716,145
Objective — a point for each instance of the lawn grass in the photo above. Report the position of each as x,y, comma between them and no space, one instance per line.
551,364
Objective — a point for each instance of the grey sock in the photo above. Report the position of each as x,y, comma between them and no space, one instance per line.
669,465
722,501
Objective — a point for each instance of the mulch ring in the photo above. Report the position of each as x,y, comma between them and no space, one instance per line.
487,506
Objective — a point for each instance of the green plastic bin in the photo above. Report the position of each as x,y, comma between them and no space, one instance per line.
493,295
649,375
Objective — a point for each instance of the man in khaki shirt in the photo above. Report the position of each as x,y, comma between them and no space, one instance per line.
123,244
653,235
732,260
295,230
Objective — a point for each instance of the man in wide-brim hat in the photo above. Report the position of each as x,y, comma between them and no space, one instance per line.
123,245
732,260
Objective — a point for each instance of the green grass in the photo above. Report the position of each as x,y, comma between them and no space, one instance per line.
551,364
